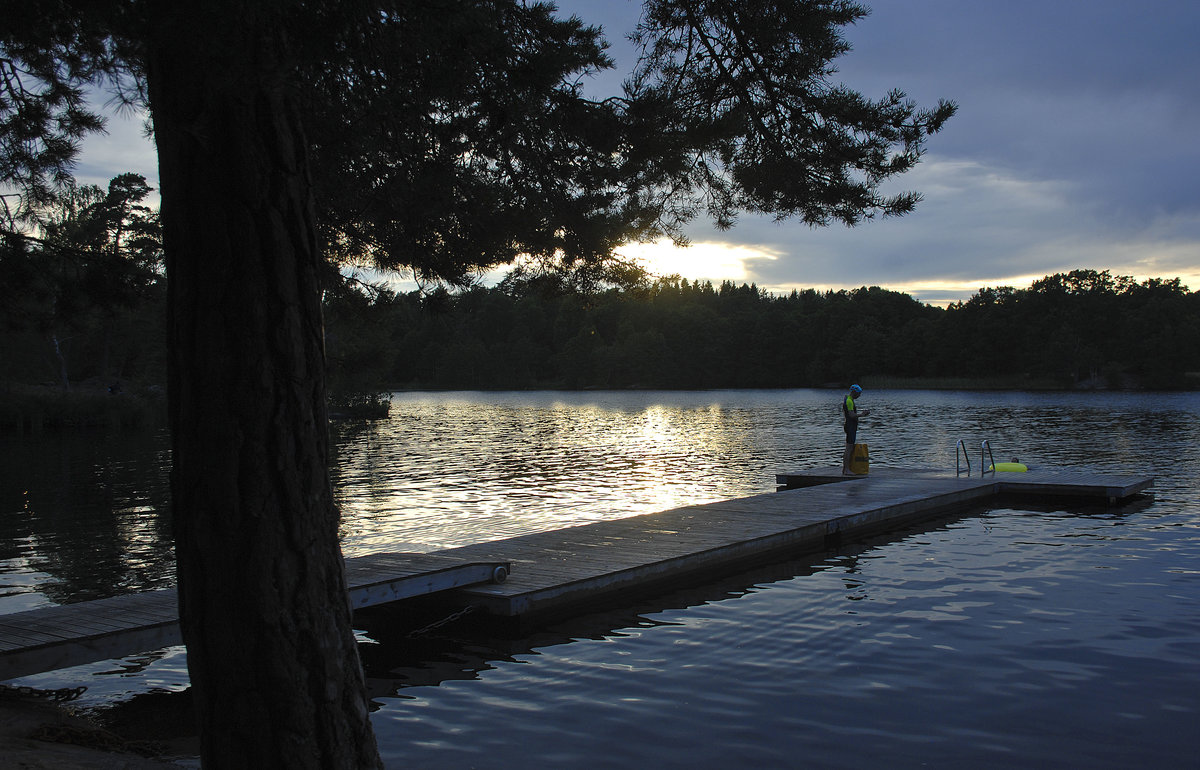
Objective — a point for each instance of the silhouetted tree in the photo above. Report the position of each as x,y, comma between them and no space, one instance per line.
234,89
90,256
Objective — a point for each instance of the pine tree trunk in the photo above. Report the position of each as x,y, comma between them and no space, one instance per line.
263,604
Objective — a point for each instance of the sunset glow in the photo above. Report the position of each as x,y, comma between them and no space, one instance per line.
703,261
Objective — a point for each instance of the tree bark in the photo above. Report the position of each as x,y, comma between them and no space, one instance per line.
262,594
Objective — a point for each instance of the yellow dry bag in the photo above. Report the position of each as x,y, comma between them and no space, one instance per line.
860,461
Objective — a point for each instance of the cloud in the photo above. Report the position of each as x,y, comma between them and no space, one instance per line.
122,148
1073,148
701,261
978,226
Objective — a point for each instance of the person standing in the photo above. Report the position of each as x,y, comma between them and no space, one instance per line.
850,415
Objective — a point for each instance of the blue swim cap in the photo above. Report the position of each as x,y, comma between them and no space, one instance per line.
854,389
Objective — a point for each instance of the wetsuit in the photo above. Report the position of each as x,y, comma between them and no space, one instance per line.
851,419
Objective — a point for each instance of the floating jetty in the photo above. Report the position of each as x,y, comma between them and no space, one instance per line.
574,569
68,635
565,570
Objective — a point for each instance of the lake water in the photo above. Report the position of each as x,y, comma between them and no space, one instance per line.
1035,637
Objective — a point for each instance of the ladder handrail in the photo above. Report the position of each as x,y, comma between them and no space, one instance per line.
985,469
965,456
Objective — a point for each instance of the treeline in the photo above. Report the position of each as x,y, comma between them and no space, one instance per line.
84,301
1080,329
87,305
82,293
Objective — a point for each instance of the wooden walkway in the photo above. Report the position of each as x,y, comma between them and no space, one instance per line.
1038,483
68,635
570,570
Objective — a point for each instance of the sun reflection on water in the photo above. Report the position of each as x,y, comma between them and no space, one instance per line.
445,471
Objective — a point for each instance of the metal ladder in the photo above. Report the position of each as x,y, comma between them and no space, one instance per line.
961,455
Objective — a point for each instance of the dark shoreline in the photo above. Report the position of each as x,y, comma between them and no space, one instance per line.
981,385
38,408
115,406
37,733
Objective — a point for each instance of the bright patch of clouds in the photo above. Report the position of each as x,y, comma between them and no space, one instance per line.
701,261
1068,152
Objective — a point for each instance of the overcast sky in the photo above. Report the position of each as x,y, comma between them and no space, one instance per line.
1074,147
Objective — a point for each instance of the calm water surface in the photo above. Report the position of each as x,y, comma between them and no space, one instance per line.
1041,637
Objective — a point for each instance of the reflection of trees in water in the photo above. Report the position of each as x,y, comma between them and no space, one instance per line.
91,513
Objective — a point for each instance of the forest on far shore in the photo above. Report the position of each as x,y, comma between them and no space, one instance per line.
1082,329
96,315
83,301
86,304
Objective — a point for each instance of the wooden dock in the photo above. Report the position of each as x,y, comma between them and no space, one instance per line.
68,635
571,570
565,570
1037,483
